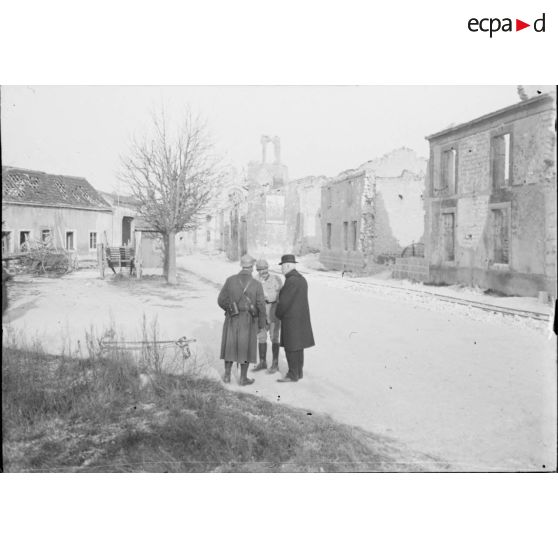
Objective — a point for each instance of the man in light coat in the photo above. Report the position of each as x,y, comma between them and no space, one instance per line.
242,298
271,284
294,312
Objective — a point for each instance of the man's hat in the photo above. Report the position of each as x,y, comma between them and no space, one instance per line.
246,261
262,264
287,258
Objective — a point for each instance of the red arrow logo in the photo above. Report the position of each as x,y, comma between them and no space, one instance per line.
519,25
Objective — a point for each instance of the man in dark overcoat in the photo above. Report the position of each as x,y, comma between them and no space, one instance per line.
294,312
6,276
242,299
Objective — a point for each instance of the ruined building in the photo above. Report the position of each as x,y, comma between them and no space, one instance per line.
223,225
266,185
249,211
348,221
369,214
491,200
263,213
232,225
304,206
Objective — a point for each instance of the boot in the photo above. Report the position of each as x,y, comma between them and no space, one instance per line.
227,376
292,361
262,347
244,380
275,363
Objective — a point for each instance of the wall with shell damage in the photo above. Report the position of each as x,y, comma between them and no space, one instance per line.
527,200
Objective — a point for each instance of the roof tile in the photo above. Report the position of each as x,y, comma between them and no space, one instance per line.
35,187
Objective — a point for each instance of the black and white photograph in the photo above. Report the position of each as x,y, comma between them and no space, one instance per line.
279,279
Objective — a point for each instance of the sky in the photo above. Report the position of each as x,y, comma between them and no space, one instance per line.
84,130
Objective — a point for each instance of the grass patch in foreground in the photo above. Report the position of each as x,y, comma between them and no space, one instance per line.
100,415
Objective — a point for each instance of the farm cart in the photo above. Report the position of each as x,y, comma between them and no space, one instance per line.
116,257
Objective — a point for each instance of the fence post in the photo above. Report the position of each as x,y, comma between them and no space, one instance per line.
101,259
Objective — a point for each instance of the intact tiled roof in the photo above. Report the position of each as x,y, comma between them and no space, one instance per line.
39,188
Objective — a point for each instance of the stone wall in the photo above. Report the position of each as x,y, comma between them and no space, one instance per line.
19,218
304,197
528,200
390,212
412,268
347,199
402,197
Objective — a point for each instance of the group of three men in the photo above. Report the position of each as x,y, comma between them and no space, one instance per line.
255,308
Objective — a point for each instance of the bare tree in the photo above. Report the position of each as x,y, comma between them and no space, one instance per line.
173,175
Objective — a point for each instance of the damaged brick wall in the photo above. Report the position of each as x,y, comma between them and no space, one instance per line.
269,208
267,231
390,212
304,197
368,221
348,201
527,200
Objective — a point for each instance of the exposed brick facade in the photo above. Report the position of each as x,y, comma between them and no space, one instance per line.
304,202
503,201
387,211
348,227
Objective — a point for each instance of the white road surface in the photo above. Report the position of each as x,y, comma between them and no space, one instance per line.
474,389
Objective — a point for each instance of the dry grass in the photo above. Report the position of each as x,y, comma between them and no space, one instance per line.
117,413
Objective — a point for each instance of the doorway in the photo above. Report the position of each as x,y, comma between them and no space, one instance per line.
126,230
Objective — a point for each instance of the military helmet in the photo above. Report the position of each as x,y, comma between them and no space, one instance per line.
246,261
262,264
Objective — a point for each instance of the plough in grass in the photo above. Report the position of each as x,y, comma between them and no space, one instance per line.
183,344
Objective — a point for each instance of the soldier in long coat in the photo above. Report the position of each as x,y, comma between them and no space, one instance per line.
6,276
294,312
240,330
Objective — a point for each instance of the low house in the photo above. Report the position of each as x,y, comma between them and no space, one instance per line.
491,200
148,245
65,211
124,215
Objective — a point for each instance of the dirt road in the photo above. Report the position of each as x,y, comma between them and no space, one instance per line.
478,392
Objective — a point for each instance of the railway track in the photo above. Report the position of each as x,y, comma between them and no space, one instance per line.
540,316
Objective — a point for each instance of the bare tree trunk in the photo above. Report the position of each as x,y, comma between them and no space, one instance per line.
171,258
165,255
